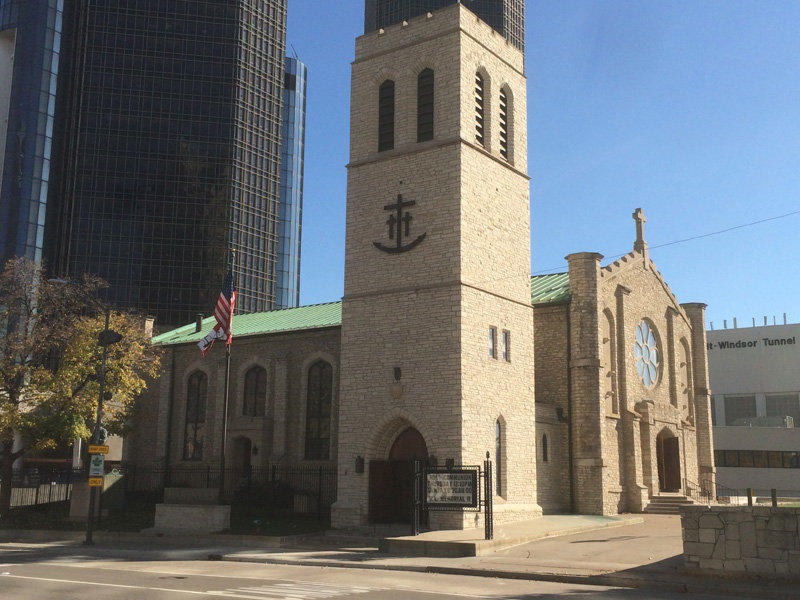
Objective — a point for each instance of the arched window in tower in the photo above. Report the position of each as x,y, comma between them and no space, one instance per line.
255,392
479,109
195,427
505,122
425,105
386,116
685,386
318,411
545,455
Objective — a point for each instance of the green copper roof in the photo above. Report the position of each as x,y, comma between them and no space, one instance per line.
544,289
290,319
549,288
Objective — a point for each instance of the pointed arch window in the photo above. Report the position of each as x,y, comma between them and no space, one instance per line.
195,428
255,392
386,116
425,105
318,411
609,381
686,396
479,108
505,122
498,453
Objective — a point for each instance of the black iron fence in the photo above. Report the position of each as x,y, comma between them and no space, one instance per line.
700,493
34,486
303,489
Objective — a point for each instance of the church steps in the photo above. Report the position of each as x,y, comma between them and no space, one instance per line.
667,504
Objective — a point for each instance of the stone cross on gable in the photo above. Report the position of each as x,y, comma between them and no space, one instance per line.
639,245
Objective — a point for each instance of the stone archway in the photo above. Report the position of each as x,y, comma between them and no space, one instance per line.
668,458
391,482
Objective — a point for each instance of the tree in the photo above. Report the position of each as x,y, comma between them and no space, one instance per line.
49,363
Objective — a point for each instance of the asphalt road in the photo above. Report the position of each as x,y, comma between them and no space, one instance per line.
31,573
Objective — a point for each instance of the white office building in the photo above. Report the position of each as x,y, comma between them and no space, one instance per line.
755,379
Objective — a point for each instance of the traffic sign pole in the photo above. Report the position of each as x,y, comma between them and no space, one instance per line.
105,339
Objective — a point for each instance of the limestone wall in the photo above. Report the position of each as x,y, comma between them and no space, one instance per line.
758,540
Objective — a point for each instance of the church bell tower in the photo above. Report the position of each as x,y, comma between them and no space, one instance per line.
437,322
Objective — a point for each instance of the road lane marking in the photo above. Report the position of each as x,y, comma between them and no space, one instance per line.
114,585
295,590
277,591
231,592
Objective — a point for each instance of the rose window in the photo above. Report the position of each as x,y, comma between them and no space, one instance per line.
647,354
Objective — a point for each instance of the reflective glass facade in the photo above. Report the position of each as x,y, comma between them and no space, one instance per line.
172,151
30,44
504,16
294,126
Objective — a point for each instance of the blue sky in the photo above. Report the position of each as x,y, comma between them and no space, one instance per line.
689,109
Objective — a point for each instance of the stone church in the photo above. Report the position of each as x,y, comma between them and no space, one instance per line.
588,389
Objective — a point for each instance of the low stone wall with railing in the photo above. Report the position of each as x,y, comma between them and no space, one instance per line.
758,540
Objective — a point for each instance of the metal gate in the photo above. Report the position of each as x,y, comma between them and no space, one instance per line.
454,488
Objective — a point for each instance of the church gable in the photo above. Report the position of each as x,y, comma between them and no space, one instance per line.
642,318
635,270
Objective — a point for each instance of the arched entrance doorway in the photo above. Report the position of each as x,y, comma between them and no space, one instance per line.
668,456
391,482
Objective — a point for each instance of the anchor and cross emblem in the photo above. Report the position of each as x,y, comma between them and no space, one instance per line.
399,223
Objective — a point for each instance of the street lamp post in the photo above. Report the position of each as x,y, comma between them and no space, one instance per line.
105,339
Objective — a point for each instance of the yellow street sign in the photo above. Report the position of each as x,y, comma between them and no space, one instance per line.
95,482
97,449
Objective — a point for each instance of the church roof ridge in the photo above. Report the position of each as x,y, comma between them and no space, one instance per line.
311,316
545,289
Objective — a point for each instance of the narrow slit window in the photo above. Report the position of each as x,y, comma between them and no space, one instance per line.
479,130
545,453
492,342
386,116
425,105
504,124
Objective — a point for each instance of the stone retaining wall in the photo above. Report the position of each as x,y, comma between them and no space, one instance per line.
743,539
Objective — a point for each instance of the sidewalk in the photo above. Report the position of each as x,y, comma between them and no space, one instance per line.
640,551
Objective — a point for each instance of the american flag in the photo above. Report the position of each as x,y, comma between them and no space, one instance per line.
223,313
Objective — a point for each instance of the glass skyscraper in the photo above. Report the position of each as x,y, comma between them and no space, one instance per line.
293,155
30,44
504,16
170,152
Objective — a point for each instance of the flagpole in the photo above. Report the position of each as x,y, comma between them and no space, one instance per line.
225,398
